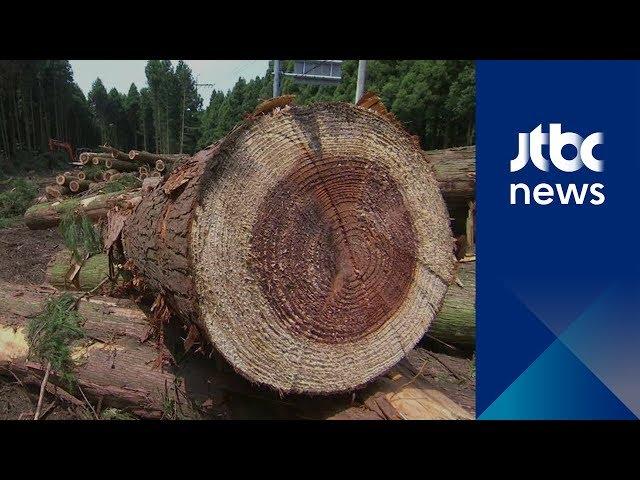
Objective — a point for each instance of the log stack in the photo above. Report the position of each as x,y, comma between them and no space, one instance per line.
113,165
117,367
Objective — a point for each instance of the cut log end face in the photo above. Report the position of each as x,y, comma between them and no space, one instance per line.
343,248
321,248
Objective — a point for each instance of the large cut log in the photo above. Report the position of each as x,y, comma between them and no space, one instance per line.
77,186
65,178
311,246
56,191
120,165
114,362
456,320
150,158
455,170
65,273
160,165
88,157
47,215
106,175
454,324
115,153
116,365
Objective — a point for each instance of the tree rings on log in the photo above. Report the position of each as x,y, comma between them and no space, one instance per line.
319,248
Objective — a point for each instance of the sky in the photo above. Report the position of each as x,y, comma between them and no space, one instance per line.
121,73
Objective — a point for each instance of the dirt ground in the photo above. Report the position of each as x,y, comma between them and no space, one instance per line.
24,255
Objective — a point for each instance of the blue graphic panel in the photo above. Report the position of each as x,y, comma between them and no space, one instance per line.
558,260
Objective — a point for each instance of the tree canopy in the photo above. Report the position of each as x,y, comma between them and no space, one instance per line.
434,99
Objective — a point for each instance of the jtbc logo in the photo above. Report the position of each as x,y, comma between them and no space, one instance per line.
530,145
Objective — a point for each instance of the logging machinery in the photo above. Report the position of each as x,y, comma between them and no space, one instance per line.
66,146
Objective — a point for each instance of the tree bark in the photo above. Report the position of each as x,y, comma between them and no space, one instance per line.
121,165
3,127
100,159
106,175
151,158
56,191
455,323
306,236
117,364
47,215
115,153
77,185
455,170
87,157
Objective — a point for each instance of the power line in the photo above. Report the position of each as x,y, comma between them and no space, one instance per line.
242,67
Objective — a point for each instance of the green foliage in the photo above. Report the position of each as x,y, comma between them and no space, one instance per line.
115,414
15,198
434,99
123,183
93,172
79,234
50,333
39,100
169,410
25,161
9,222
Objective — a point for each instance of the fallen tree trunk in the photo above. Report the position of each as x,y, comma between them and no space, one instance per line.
87,157
64,179
77,186
120,165
116,365
90,274
101,158
308,236
456,320
455,170
454,324
115,153
151,158
160,166
47,215
106,175
56,191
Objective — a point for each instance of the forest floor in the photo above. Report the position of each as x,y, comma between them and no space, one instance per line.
24,255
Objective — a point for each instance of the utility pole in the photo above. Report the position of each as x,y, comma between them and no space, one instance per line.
362,76
276,78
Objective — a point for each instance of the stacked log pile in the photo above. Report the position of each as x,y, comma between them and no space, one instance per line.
312,247
86,187
116,367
